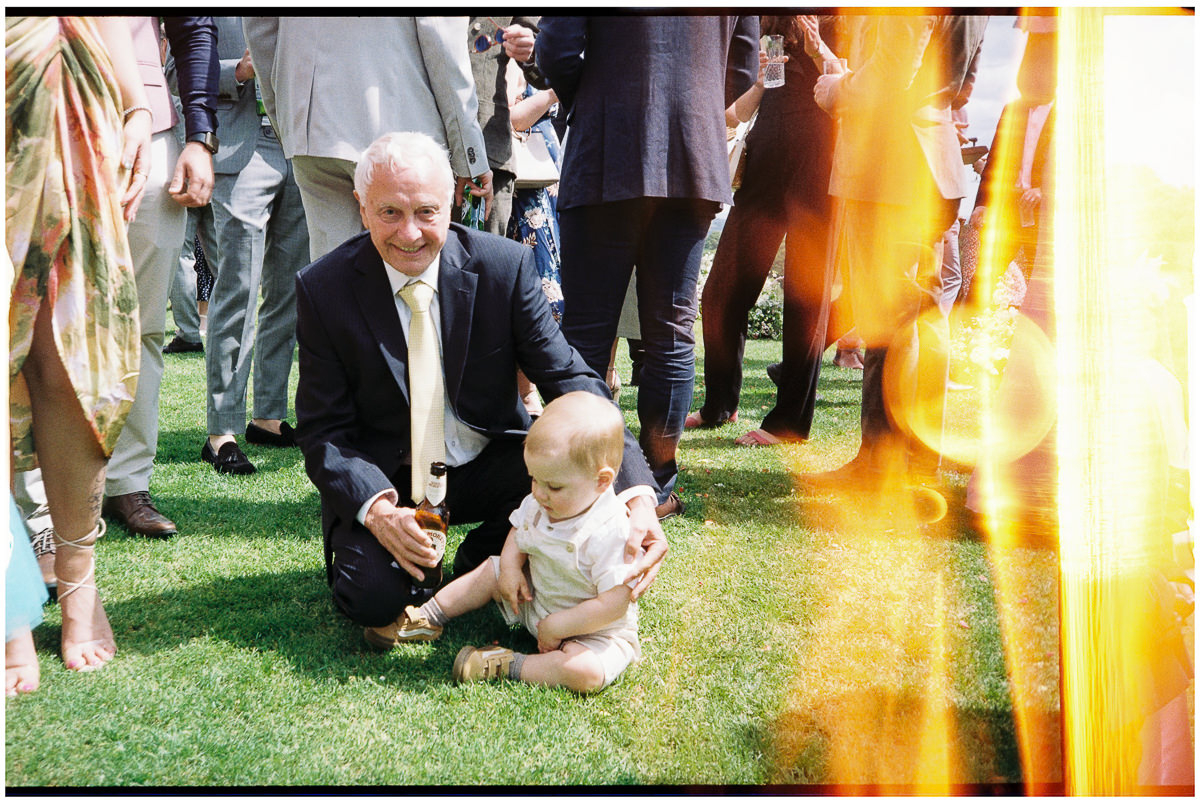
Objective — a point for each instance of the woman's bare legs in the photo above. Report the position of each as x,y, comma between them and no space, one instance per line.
73,472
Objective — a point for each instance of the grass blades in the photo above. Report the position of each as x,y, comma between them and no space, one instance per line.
766,632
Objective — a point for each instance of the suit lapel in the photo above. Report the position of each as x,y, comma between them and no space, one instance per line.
456,289
378,306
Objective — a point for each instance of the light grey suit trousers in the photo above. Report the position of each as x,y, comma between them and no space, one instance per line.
261,242
154,238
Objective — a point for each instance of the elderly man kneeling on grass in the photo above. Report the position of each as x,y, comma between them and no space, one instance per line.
364,416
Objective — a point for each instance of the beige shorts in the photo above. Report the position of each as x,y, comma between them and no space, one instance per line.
615,654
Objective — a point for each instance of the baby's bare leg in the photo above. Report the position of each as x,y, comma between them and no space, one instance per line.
572,666
472,591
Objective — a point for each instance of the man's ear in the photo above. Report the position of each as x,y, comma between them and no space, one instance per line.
362,210
605,478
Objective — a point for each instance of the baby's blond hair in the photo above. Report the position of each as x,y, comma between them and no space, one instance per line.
587,427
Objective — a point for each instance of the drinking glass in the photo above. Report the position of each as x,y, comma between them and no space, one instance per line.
773,75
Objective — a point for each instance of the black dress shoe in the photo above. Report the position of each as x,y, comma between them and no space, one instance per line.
229,459
260,435
178,344
672,507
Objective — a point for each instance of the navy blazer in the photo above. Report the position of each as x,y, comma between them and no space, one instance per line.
352,398
646,97
193,43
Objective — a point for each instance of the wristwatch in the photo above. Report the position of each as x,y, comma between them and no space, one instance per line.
206,138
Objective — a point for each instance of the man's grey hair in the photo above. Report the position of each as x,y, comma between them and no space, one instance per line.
402,149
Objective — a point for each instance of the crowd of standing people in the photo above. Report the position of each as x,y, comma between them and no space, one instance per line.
330,190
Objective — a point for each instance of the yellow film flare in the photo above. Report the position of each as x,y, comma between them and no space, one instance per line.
1003,403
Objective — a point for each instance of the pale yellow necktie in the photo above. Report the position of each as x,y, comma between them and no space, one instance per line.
426,398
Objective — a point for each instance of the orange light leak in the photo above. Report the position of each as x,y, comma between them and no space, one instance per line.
877,680
1111,443
1061,388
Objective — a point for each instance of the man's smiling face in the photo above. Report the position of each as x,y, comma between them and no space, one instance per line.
407,213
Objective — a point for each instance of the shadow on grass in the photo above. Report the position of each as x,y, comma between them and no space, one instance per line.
738,494
838,388
233,515
291,615
873,739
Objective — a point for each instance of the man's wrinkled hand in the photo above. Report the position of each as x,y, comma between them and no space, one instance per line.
480,187
646,547
244,70
397,530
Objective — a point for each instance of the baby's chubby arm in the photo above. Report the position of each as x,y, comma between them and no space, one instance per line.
583,618
513,586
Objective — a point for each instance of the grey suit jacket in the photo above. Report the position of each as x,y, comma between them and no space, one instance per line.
332,85
236,108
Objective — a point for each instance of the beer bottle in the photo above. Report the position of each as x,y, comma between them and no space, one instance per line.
471,214
434,517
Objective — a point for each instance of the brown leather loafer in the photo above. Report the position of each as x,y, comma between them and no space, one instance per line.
137,513
673,506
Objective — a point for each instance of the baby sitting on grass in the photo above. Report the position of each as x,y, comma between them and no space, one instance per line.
562,572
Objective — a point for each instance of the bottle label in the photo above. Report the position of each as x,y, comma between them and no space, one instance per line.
439,541
435,489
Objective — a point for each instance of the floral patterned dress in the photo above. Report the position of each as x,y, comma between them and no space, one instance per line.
534,222
65,235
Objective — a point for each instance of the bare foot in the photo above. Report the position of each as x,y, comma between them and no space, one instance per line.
87,638
21,671
757,438
848,358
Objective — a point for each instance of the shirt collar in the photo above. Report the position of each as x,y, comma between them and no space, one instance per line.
430,276
567,528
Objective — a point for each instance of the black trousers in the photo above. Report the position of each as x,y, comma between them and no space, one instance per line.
370,588
663,237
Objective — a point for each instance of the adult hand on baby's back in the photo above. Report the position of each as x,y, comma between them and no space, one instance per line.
397,530
646,547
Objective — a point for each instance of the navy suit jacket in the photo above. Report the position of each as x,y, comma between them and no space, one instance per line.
647,98
352,399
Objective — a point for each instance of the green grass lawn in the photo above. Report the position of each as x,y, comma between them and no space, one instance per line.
779,647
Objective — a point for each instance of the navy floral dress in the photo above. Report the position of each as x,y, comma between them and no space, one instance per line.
534,221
